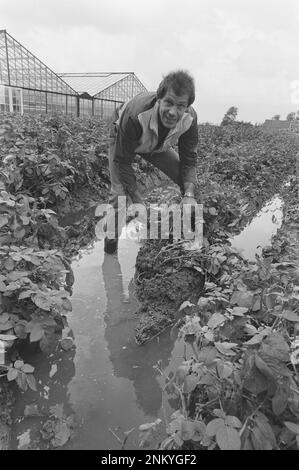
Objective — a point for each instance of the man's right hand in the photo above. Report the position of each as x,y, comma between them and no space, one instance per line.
136,197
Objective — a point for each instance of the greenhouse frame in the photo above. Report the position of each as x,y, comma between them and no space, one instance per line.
27,85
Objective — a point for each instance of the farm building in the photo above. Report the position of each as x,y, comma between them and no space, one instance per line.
278,125
27,85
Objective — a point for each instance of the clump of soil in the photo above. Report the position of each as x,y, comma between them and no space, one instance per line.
164,278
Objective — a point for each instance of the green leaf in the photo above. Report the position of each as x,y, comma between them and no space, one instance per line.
199,431
254,381
233,421
207,355
257,304
294,427
187,429
62,435
181,373
216,320
2,286
258,338
20,330
31,382
25,294
290,315
19,233
25,219
247,444
42,302
15,275
190,383
57,411
4,318
214,425
212,211
3,220
270,300
276,347
67,344
263,367
36,333
186,304
9,264
242,298
239,311
27,368
18,364
32,259
146,426
280,400
263,424
228,438
224,370
7,337
259,441
219,413
48,343
12,374
178,440
6,326
22,381
66,304
225,348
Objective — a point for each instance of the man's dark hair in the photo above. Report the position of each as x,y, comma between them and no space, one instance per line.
180,82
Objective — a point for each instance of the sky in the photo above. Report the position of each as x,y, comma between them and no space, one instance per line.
241,53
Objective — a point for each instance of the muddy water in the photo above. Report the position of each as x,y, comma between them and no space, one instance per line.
115,386
108,382
257,234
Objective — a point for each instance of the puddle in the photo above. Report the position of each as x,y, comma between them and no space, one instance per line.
259,232
108,382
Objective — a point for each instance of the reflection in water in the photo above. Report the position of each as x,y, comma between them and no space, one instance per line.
107,381
129,360
260,230
115,385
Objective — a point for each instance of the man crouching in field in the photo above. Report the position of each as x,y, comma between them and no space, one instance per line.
149,125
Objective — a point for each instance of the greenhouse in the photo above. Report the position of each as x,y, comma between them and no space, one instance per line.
27,85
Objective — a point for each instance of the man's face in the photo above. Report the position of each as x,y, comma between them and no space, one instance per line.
172,108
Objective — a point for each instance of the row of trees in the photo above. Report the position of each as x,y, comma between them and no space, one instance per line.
231,115
294,116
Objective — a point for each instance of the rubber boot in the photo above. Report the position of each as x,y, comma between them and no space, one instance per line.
110,245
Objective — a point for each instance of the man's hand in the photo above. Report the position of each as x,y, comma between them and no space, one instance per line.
136,197
188,197
188,200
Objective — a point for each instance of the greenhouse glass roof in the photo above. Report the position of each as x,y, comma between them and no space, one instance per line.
93,83
19,67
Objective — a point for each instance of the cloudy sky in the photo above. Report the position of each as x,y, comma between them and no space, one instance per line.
241,53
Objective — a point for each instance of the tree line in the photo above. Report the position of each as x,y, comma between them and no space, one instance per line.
293,116
231,115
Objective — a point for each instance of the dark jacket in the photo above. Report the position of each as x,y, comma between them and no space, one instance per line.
137,133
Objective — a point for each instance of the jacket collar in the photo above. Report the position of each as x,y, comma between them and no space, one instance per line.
154,118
